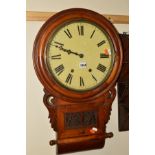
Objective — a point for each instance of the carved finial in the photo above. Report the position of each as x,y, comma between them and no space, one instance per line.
109,135
53,142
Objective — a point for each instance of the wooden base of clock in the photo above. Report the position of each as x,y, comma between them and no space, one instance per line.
79,126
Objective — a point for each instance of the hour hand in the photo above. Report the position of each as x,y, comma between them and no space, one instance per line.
79,54
69,51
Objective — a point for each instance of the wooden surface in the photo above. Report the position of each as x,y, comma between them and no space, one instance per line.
80,138
43,16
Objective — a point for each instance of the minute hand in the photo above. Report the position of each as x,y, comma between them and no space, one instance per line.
69,51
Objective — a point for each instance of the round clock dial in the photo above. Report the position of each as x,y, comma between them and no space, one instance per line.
79,55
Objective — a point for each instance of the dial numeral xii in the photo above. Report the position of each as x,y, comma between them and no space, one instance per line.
81,30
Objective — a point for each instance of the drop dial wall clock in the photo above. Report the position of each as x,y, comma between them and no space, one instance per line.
77,57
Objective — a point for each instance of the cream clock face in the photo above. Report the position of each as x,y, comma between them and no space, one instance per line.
80,55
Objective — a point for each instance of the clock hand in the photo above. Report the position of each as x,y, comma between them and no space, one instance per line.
79,54
69,51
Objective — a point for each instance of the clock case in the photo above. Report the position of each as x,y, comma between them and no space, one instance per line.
79,118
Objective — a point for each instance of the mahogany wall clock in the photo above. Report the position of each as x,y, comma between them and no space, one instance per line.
78,57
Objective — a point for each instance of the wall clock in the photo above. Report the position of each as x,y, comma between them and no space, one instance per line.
78,57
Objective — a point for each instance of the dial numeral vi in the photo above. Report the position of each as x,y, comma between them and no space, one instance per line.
81,81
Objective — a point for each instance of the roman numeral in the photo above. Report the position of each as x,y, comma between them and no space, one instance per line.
81,81
102,55
67,32
59,69
69,78
101,43
101,67
81,30
56,56
58,43
94,77
92,34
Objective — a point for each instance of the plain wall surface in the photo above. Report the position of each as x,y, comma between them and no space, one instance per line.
39,132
